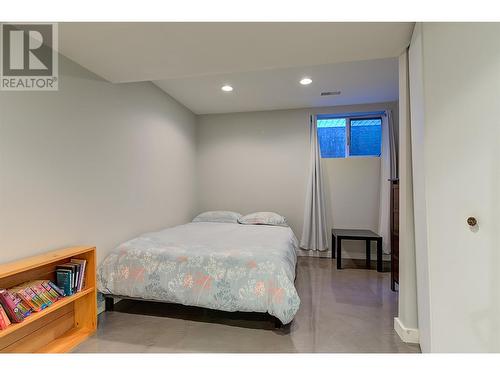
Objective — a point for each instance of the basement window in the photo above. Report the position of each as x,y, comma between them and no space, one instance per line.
350,135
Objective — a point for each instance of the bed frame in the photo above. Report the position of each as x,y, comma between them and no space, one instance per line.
109,303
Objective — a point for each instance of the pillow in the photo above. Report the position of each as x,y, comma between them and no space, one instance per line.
218,217
263,218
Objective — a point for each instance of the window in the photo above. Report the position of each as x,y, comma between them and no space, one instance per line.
331,135
341,137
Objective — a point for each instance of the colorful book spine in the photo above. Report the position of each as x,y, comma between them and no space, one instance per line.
7,300
4,319
51,292
20,301
56,288
38,294
42,293
20,304
28,298
35,298
26,295
23,307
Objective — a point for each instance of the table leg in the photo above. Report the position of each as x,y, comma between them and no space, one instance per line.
379,255
339,253
368,254
333,246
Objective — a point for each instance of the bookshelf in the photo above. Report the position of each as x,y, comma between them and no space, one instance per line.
61,326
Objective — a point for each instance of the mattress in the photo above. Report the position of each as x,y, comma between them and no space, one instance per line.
222,266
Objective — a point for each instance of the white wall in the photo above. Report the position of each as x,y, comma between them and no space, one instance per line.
458,138
258,161
93,163
99,163
417,108
407,321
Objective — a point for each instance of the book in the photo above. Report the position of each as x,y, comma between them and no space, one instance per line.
28,296
83,264
78,270
7,301
35,298
4,319
56,288
70,267
13,306
21,300
63,281
34,293
42,293
20,304
21,293
52,293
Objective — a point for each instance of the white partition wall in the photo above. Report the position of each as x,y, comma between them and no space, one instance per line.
418,172
406,323
455,91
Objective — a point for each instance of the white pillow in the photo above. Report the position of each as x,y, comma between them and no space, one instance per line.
263,218
218,217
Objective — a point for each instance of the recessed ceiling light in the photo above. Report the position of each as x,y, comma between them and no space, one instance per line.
227,88
306,81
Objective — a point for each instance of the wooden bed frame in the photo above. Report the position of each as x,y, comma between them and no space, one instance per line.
109,303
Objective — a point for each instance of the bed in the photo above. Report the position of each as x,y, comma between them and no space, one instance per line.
221,266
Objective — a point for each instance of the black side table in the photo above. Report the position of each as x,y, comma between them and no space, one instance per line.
356,234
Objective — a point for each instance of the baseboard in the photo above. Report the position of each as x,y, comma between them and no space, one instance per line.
316,254
409,335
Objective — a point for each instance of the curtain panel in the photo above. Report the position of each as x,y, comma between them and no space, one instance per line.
314,233
388,173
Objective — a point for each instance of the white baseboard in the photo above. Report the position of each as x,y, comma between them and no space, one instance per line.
316,254
409,335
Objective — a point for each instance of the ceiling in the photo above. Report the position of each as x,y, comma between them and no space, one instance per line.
263,61
360,82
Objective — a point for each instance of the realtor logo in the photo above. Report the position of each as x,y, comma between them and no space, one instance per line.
29,59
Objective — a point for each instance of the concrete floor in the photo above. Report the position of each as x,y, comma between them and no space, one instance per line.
349,310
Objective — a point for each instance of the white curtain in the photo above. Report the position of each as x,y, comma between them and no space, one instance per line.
314,234
388,172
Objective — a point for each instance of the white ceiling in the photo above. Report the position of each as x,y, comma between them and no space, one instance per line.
191,60
359,82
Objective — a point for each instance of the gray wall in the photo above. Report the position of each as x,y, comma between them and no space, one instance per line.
93,163
99,163
258,161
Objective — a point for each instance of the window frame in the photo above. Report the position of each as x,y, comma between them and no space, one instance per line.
348,118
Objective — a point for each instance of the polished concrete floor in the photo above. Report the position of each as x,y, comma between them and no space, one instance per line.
349,310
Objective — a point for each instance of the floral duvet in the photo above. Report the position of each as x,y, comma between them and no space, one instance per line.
230,267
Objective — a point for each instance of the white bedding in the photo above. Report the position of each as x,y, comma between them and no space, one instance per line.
230,267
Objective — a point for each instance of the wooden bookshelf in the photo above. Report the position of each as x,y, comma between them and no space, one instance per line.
64,324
